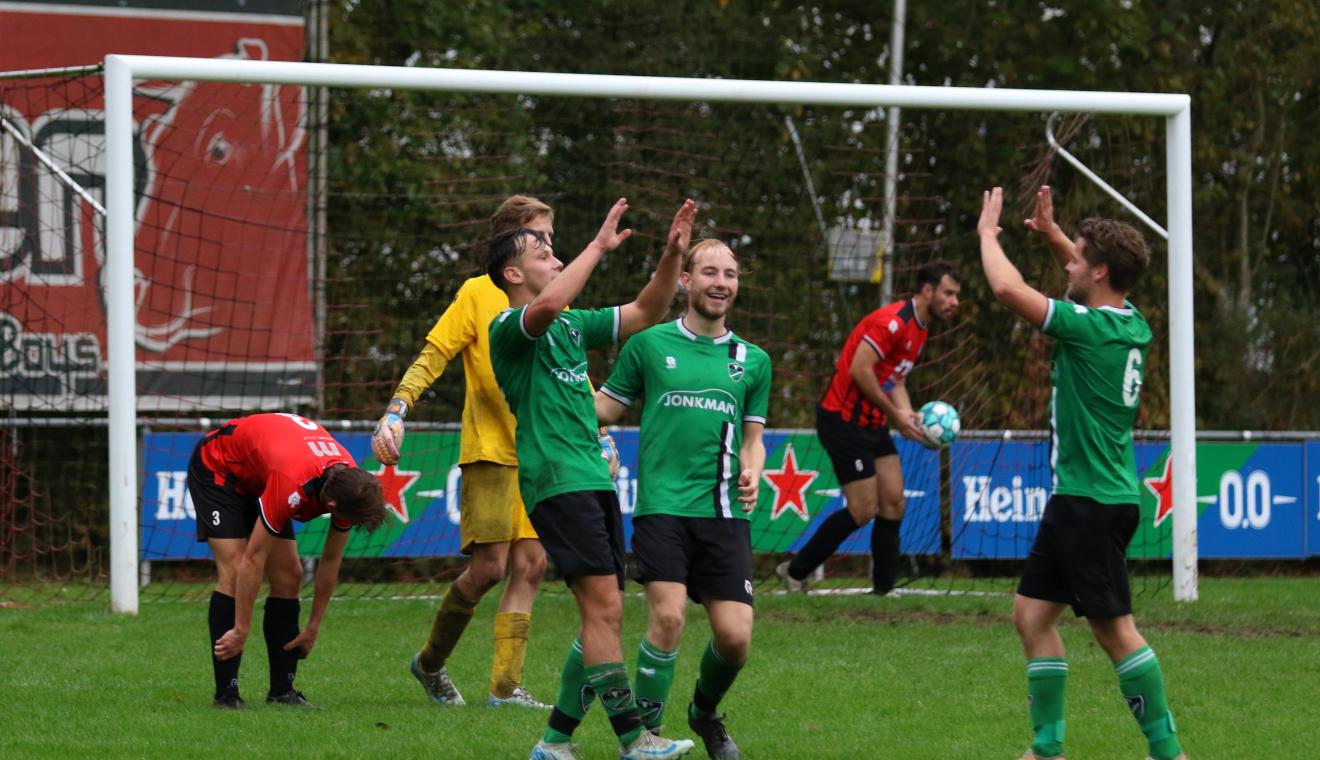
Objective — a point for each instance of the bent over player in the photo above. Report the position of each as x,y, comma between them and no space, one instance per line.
1079,557
703,392
274,469
851,422
539,352
493,525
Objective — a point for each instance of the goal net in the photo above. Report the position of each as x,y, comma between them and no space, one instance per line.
293,244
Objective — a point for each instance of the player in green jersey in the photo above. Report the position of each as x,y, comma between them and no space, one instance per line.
1079,556
703,393
539,354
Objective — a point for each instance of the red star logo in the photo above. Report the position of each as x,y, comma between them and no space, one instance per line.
394,482
790,485
1162,487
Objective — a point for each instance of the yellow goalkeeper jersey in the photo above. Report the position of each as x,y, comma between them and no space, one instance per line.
488,425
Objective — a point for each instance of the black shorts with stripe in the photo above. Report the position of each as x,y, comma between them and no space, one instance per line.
712,556
222,512
853,449
1079,557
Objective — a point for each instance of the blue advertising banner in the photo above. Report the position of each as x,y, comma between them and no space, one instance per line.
797,490
999,490
1312,486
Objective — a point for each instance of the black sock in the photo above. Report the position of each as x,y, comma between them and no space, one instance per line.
281,626
221,619
884,554
836,528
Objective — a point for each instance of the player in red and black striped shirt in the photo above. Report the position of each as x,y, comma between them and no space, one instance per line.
274,469
867,392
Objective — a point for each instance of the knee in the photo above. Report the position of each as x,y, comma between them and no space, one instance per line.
528,566
734,646
665,628
605,612
285,581
892,506
485,574
863,510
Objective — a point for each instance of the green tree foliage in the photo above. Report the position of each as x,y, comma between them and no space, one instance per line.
415,175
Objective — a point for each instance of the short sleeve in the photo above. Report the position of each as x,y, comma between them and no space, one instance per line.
456,328
757,408
881,332
625,383
507,333
600,327
1070,322
277,503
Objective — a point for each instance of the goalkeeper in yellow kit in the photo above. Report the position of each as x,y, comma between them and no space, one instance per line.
493,523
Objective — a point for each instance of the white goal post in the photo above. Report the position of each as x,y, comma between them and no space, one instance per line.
121,70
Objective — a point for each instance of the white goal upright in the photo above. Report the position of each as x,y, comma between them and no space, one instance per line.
122,70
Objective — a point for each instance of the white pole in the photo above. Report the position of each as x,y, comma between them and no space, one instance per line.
120,329
1182,367
891,149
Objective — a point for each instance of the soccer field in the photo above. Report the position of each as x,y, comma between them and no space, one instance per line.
831,676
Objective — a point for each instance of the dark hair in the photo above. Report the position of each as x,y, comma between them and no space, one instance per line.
932,272
1119,247
357,495
507,246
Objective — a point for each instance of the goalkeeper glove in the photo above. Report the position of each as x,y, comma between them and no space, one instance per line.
388,437
609,452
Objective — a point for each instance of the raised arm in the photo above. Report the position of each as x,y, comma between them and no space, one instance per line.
651,303
1042,223
1005,280
561,291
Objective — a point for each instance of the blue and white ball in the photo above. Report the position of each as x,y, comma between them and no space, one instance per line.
940,423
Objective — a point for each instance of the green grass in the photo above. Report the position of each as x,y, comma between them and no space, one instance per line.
847,676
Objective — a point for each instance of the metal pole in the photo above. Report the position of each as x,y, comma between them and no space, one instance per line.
891,150
120,332
1182,367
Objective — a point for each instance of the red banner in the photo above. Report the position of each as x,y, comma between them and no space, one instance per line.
222,309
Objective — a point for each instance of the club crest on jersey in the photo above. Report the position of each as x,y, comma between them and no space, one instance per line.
670,362
735,371
575,334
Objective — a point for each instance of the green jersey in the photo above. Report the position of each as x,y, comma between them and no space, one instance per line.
695,394
544,379
1099,367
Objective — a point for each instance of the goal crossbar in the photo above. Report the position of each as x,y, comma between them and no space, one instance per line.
121,70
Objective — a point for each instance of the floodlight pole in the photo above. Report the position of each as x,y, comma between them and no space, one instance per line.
120,325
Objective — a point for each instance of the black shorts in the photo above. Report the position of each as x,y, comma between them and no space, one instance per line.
222,512
582,531
1080,556
852,449
712,556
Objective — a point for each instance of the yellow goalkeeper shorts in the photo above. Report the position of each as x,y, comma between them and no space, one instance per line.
490,506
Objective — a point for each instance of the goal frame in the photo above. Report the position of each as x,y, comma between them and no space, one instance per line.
121,70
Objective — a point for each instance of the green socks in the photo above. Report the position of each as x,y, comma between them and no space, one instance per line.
575,697
715,678
1142,683
1046,679
655,676
610,682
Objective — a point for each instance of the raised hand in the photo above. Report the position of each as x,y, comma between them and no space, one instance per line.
1042,220
680,231
610,236
992,206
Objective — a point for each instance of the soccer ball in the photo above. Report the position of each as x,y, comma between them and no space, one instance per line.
940,423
